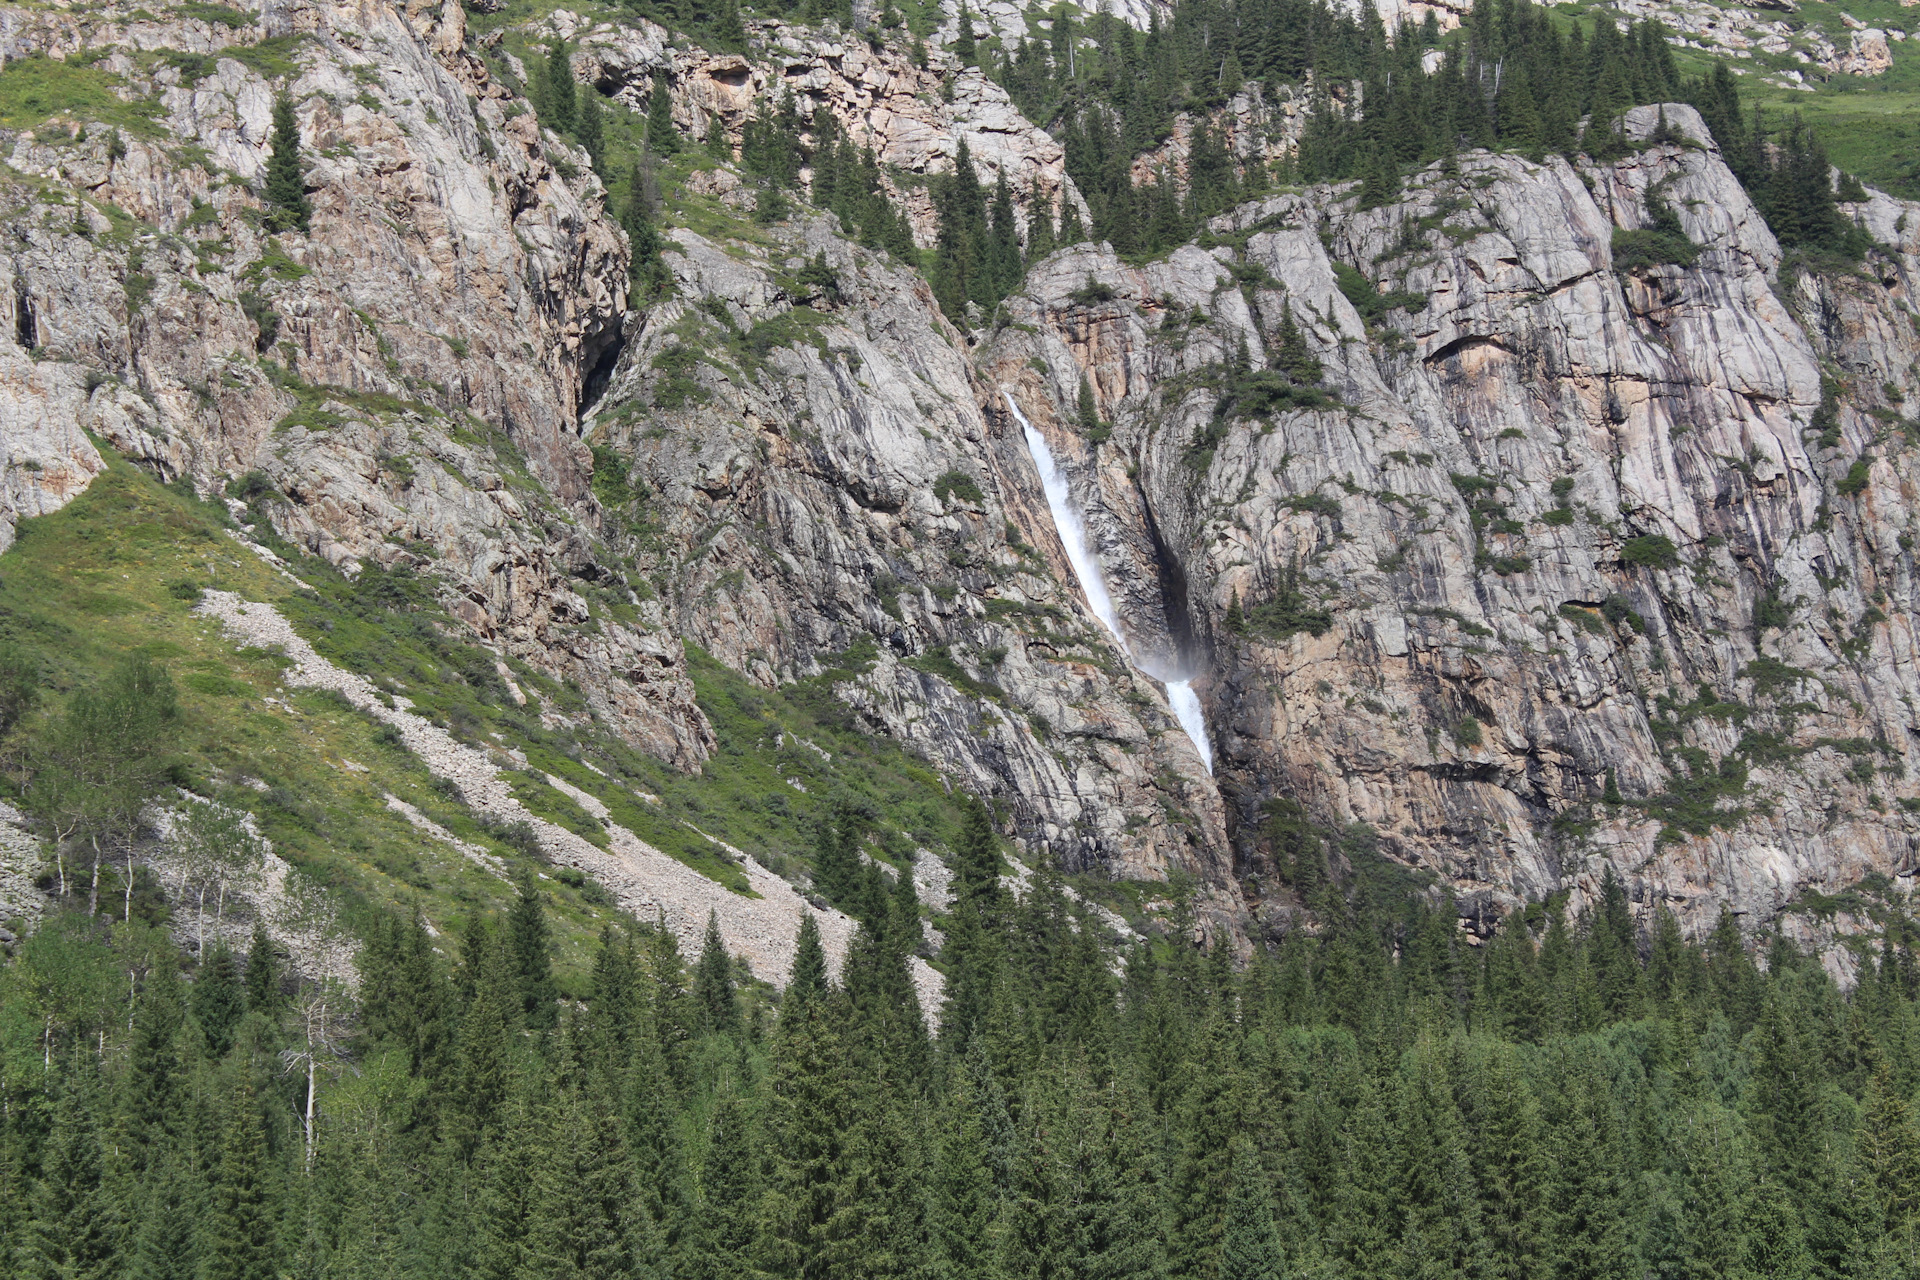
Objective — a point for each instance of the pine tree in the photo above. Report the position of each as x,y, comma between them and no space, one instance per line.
650,274
481,1068
591,131
1888,1149
722,1232
165,1245
1210,1115
561,97
1250,1247
1088,410
973,946
663,139
1041,237
963,44
836,856
582,1193
1589,1234
1292,356
716,1006
239,1241
70,1231
808,1119
286,193
1003,237
218,1001
965,1200
263,974
531,951
653,1129
152,1086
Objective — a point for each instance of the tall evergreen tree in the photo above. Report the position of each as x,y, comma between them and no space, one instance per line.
531,950
561,97
288,206
239,1243
716,1005
663,139
1250,1247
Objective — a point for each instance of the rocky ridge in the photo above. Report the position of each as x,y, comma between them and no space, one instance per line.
1462,586
913,117
1687,663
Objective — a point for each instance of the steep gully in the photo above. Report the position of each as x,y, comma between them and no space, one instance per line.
1181,698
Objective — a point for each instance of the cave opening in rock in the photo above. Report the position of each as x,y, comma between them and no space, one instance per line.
600,373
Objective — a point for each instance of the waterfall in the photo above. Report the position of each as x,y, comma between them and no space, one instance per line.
1093,582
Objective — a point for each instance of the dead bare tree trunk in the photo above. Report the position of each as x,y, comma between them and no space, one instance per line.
93,890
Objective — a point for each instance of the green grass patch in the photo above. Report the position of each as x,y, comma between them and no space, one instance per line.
96,581
37,88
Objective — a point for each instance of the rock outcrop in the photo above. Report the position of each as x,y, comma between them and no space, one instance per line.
913,117
1492,536
836,489
1580,530
406,375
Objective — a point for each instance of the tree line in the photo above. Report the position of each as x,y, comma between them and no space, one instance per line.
1580,1096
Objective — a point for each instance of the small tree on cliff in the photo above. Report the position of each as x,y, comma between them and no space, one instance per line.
286,189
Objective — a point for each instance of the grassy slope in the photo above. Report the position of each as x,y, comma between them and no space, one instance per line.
97,580
1870,125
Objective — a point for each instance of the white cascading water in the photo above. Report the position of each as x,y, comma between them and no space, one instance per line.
1093,583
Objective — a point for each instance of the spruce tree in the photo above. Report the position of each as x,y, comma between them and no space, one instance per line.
263,974
965,1200
288,207
481,1067
972,950
165,1244
561,96
531,950
662,138
716,1006
218,1001
721,1236
579,1221
70,1229
809,1117
1250,1246
239,1241
590,129
151,1088
1041,236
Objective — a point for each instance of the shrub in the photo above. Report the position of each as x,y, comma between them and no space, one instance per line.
1467,732
1092,292
1318,504
958,484
678,387
1368,300
1287,613
1770,675
1771,611
1855,482
1617,611
1651,551
1665,243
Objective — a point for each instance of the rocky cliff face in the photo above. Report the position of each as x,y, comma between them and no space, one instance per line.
1570,522
1571,563
405,378
838,489
914,117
